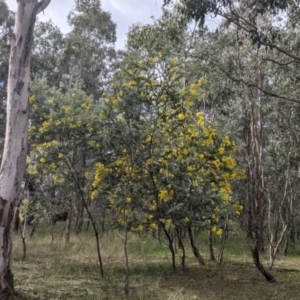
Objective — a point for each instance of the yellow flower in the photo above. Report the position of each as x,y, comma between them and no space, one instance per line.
217,163
44,126
201,156
153,82
111,205
226,141
86,106
174,61
89,127
221,150
229,162
141,63
181,116
66,108
165,195
125,212
53,166
32,99
21,218
238,209
57,179
54,143
214,217
94,194
201,121
153,225
100,173
191,168
42,160
25,206
32,170
118,162
120,118
219,232
129,84
188,102
92,143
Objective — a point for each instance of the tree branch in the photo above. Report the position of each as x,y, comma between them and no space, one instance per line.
258,87
257,36
281,63
42,5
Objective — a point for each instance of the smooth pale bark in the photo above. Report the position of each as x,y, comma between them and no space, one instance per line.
15,147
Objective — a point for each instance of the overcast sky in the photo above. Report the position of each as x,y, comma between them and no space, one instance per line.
124,13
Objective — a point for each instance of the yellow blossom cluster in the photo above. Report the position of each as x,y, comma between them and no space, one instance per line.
216,230
165,195
58,179
100,172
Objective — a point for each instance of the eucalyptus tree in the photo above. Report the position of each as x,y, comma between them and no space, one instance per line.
6,27
282,179
242,110
89,47
15,147
261,21
47,53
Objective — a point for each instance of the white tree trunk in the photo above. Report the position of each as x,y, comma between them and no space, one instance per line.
15,147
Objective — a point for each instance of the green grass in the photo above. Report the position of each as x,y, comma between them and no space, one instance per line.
71,271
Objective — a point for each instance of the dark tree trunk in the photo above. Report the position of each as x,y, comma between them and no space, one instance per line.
15,147
17,222
79,220
211,246
126,286
181,246
23,235
35,225
195,249
171,247
69,220
255,254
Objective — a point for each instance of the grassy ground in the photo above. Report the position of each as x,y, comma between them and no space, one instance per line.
70,271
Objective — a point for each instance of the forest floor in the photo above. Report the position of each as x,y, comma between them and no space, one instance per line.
71,271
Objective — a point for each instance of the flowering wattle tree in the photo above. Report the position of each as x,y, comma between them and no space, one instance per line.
172,170
64,138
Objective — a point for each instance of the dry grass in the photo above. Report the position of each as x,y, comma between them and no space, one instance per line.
70,271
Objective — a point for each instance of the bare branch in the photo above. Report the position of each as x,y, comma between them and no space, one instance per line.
258,87
255,31
42,5
281,63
